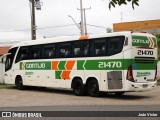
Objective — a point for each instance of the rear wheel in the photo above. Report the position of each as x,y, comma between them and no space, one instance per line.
93,88
78,87
19,83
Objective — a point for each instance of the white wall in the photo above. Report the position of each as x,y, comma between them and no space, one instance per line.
1,73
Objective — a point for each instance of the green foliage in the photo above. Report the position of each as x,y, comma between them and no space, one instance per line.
158,37
158,42
109,30
113,3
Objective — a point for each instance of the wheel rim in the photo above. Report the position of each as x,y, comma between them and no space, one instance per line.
93,88
77,87
19,85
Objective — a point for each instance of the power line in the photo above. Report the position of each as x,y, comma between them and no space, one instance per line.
102,27
38,28
15,30
57,26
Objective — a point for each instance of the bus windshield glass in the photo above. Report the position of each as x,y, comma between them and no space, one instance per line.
9,59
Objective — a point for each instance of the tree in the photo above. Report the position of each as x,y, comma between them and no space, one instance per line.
113,3
109,30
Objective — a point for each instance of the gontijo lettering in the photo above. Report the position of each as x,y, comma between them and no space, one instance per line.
46,65
140,41
35,65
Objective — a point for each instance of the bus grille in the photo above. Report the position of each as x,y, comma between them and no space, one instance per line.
144,60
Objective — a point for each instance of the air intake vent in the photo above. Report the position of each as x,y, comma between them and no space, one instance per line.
144,60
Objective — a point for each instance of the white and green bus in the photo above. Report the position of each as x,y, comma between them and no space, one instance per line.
114,62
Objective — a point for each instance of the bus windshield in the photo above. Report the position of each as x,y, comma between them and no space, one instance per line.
10,58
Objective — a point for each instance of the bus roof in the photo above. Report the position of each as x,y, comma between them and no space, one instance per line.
68,38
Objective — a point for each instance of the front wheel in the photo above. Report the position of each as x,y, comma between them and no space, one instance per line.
19,83
93,88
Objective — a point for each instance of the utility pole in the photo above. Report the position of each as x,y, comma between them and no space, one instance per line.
37,4
83,19
121,16
33,21
82,23
85,23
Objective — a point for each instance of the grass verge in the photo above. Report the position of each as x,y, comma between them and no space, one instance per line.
5,86
158,82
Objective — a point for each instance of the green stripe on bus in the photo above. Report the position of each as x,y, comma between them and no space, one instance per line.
61,65
155,41
114,64
80,64
58,74
142,41
104,64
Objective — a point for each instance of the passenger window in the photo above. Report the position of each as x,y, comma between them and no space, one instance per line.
35,52
49,51
22,54
64,50
100,47
126,41
115,44
80,48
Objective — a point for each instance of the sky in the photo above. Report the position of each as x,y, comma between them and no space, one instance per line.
52,20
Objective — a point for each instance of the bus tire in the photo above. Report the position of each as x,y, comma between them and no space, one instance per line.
78,87
19,83
93,88
119,93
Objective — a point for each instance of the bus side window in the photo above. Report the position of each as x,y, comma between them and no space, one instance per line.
80,48
100,47
35,52
48,51
115,45
91,52
22,54
126,41
64,50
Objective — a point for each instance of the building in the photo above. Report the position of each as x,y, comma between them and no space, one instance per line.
150,26
4,50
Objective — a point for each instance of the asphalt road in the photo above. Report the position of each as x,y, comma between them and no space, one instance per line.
51,97
36,99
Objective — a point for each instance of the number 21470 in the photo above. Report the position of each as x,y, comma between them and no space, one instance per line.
144,52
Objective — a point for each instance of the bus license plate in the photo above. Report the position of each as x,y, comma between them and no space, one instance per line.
145,85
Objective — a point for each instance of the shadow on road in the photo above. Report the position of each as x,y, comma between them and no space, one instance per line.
127,96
